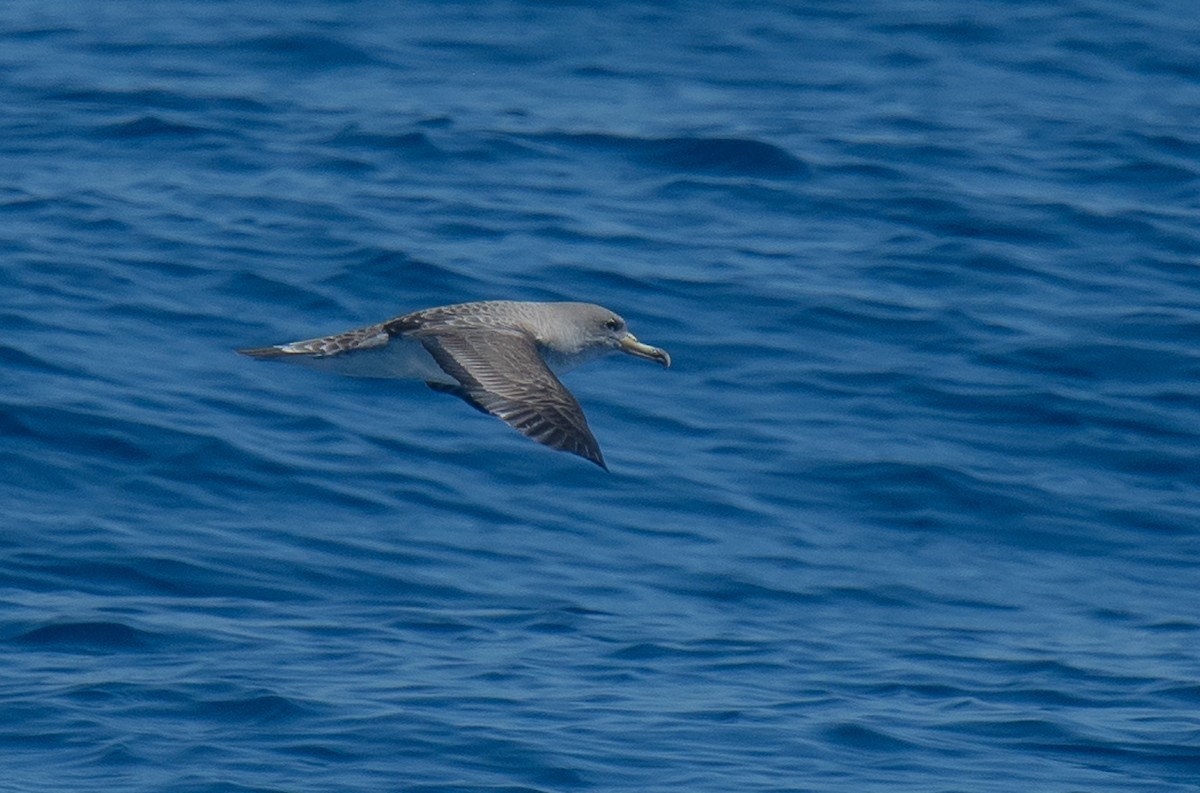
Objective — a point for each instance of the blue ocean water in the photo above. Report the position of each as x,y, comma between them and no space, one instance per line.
916,509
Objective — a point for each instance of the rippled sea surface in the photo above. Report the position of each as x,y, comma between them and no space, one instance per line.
916,509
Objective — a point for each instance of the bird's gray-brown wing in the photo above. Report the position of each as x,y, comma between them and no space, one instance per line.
357,339
500,372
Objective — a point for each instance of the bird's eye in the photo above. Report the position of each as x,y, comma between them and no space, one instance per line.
612,323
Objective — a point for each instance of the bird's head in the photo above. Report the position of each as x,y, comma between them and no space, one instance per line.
598,331
609,329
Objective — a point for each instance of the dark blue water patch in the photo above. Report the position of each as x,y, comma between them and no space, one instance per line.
22,201
859,737
256,710
146,576
885,321
906,492
690,194
347,166
13,359
150,99
1140,55
470,231
301,50
1170,143
150,126
726,589
498,149
380,270
954,219
254,288
646,651
319,752
204,783
1183,626
435,143
1091,362
156,459
409,144
871,171
35,31
725,156
1150,520
612,281
1152,172
86,637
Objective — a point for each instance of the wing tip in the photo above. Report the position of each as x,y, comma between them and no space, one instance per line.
262,352
588,450
591,451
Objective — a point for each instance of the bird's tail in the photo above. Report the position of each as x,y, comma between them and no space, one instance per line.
277,351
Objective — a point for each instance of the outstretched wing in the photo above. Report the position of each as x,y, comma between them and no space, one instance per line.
350,341
501,373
